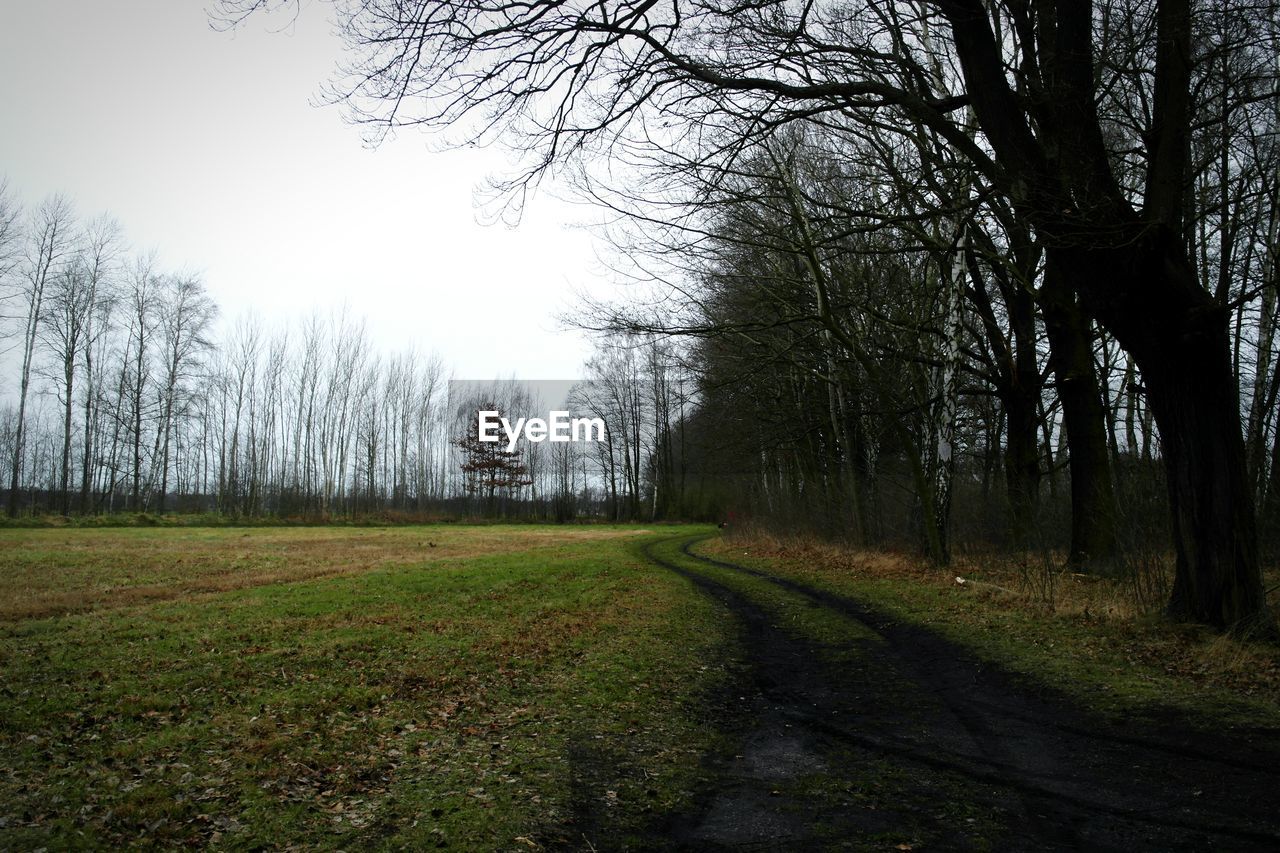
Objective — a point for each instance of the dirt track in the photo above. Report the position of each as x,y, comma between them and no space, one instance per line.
908,742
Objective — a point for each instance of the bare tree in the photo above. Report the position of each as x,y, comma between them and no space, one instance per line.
1111,211
141,298
74,311
186,311
50,243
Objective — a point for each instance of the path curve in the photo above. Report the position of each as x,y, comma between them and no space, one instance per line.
911,742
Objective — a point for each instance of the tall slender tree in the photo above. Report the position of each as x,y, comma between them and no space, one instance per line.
51,241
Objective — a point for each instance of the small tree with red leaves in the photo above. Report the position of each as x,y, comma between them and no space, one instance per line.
488,468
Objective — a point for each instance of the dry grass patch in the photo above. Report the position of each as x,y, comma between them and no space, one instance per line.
52,572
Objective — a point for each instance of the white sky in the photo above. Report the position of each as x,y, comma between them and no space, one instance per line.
206,147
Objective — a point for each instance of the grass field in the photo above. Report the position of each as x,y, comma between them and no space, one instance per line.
485,687
343,687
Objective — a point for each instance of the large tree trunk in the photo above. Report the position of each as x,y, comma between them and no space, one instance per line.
1022,405
1197,412
1093,504
1131,270
1145,292
1022,466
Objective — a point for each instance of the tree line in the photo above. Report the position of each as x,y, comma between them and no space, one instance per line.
128,395
923,209
126,400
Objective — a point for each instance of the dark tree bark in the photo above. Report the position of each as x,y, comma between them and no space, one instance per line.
1133,275
1093,505
1022,405
1146,293
1018,385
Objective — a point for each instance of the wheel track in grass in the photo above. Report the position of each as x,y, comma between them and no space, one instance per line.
868,615
911,740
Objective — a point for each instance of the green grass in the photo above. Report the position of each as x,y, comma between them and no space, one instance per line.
344,688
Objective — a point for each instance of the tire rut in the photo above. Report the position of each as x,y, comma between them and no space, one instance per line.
919,741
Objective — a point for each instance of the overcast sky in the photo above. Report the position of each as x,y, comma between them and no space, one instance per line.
207,147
